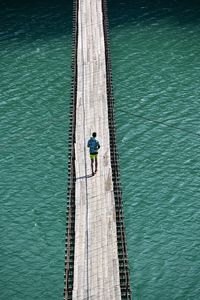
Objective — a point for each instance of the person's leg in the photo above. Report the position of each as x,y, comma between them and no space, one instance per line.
92,162
96,164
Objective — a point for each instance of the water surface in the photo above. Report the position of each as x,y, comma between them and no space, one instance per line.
156,69
35,43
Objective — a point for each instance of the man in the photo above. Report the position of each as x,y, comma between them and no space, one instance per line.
94,146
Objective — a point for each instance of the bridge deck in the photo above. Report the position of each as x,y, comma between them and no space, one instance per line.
96,266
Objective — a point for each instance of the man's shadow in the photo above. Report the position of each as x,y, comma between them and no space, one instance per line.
82,177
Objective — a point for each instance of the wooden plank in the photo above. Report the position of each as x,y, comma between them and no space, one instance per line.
96,267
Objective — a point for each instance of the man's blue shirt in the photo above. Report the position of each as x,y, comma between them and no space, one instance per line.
94,145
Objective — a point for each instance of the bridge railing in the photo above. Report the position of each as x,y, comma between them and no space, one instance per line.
121,238
70,213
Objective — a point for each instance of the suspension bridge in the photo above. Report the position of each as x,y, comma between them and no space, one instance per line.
96,263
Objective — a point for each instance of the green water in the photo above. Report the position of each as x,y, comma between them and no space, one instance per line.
35,86
155,48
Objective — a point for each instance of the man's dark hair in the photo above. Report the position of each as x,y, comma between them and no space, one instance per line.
94,134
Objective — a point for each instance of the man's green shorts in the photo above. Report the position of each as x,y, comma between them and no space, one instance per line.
93,156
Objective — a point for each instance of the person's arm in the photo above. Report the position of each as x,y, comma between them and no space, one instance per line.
88,143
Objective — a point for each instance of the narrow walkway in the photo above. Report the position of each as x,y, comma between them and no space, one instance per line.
96,266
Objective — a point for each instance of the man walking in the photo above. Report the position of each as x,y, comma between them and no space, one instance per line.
94,146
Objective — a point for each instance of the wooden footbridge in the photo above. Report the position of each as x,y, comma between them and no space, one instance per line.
96,257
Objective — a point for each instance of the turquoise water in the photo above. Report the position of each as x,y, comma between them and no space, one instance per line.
35,86
155,50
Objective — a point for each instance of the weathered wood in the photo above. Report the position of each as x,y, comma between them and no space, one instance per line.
96,267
